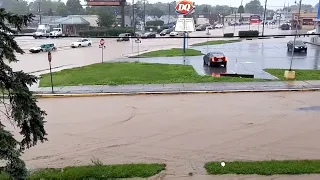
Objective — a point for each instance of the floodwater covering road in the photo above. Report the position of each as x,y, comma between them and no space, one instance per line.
250,57
182,131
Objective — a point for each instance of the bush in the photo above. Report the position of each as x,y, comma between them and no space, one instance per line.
28,30
228,35
155,23
244,34
250,33
106,32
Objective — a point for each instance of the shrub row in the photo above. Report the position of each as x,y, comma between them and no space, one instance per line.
28,30
228,35
155,23
106,32
244,34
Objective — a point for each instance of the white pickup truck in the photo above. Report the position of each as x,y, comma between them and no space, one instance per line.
42,31
57,32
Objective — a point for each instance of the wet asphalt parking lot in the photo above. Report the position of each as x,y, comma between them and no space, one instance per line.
250,57
247,57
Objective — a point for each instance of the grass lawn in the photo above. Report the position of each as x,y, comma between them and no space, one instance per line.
171,53
301,75
265,167
216,42
97,172
131,73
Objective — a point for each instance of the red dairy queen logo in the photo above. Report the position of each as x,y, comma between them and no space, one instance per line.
184,7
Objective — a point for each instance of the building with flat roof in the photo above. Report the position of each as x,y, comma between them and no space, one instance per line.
307,20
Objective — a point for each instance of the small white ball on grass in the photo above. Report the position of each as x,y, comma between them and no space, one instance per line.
223,164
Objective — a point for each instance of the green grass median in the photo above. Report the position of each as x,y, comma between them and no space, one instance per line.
131,73
265,167
97,172
301,74
172,53
216,42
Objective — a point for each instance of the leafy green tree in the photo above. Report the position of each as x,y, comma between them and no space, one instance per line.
13,6
156,12
50,12
241,9
62,10
254,7
74,7
19,108
105,19
205,10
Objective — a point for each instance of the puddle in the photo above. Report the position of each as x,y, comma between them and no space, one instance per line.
310,108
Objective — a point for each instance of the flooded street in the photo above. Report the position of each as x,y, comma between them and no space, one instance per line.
182,131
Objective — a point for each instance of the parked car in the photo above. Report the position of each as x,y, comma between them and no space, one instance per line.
202,27
124,37
43,48
149,35
312,31
216,58
299,46
285,27
175,34
164,32
218,26
81,43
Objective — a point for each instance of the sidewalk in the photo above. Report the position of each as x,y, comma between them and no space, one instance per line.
184,88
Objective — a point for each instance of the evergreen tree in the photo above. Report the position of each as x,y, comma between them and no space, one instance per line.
18,105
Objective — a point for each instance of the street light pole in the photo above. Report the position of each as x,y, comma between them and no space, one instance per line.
169,13
133,18
144,13
264,16
295,37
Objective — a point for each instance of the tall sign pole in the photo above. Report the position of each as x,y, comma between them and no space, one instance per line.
49,60
264,16
295,37
184,7
102,46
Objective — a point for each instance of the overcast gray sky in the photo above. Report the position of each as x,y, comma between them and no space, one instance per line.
275,3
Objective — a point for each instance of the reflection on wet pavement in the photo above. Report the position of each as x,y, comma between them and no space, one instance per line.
249,57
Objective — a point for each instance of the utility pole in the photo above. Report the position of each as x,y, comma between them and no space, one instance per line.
39,10
144,13
295,37
133,19
123,3
264,16
169,12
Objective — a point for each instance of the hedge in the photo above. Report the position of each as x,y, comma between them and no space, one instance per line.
28,30
228,35
106,32
155,23
244,34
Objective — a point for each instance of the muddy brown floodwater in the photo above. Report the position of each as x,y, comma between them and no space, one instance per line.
182,131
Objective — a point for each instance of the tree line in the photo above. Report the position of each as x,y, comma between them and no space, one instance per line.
141,8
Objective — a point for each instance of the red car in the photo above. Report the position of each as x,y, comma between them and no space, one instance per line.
215,59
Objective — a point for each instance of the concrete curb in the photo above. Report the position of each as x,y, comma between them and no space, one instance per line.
169,93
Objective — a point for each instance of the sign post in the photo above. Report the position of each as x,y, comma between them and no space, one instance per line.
49,60
138,41
185,25
185,7
102,46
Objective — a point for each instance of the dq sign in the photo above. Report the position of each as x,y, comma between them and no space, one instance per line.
184,7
